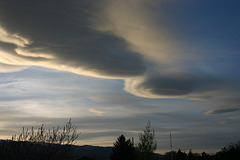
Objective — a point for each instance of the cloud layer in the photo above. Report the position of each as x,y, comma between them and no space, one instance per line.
137,41
63,41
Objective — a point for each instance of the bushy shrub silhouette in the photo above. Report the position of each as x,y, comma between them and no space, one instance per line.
147,143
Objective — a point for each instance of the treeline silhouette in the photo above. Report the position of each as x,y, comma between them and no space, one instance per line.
56,144
230,152
124,149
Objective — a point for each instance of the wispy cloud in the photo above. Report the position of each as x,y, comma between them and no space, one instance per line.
13,38
98,112
223,109
136,23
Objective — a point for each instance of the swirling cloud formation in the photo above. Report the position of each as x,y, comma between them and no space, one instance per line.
115,40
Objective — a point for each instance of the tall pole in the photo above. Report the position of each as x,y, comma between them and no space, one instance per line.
171,146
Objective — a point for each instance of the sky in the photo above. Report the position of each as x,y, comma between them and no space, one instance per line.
112,66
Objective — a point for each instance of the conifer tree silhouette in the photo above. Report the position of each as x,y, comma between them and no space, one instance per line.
123,149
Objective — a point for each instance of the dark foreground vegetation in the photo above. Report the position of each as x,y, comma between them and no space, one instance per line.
230,152
58,144
40,144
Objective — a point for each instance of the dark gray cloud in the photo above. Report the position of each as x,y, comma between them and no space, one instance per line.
181,85
7,47
63,29
169,85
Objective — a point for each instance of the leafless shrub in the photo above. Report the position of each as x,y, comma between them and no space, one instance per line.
42,143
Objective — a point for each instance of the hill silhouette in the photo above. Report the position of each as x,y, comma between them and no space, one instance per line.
81,152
